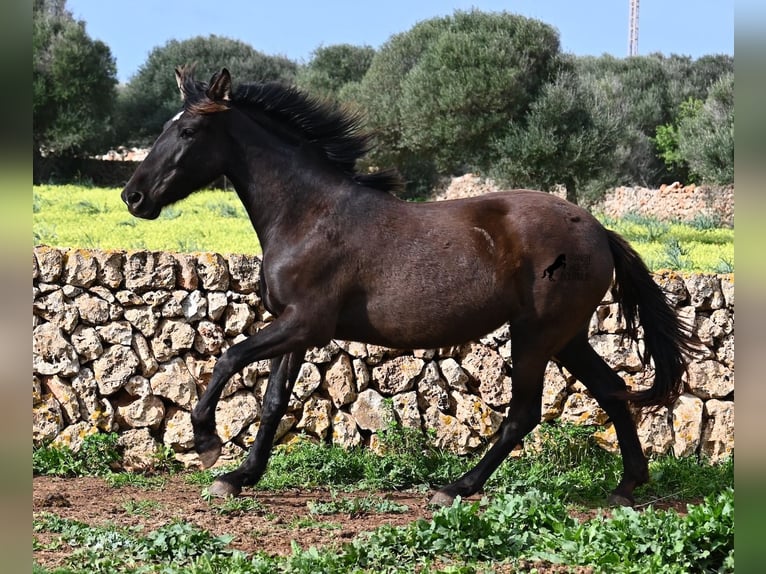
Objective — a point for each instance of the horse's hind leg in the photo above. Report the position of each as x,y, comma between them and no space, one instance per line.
584,363
284,372
523,415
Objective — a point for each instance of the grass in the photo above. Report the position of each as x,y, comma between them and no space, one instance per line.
214,220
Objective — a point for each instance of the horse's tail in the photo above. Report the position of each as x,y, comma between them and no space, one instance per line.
666,340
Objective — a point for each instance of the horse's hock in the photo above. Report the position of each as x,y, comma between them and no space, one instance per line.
126,342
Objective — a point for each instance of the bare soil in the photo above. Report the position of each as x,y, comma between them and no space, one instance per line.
279,519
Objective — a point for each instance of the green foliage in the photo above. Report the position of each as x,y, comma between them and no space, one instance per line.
356,506
151,96
95,457
73,83
333,67
706,138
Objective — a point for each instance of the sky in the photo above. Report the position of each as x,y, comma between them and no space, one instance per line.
133,28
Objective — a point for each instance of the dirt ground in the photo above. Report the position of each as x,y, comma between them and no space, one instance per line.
279,518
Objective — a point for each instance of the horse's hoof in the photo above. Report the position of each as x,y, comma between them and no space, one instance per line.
211,453
615,500
441,499
223,489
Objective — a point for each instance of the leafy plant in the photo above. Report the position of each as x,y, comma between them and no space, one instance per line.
96,456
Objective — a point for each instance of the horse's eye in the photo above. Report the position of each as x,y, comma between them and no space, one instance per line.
187,132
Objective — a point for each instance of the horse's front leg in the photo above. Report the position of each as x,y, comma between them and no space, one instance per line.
284,372
286,335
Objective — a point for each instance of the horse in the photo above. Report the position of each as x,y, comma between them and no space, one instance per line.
344,258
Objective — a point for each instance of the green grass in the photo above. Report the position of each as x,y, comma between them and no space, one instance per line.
214,220
96,218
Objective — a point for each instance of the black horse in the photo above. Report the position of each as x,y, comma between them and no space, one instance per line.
344,258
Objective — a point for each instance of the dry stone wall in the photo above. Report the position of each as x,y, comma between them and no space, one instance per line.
126,342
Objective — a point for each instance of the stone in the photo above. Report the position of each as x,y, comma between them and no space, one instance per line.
186,271
607,439
308,381
55,308
449,433
146,360
93,310
194,306
454,375
609,319
344,431
62,391
146,271
172,338
216,305
47,420
74,435
725,352
710,379
127,298
94,409
114,367
143,411
284,426
172,307
355,349
718,430
488,369
655,431
687,425
361,374
212,271
49,263
234,413
406,409
244,271
138,386
116,333
139,450
316,417
476,414
178,433
618,351
87,343
174,382
674,287
339,381
727,289
554,392
110,264
397,375
143,318
432,389
582,409
704,291
371,412
80,268
52,354
722,322
37,391
209,338
237,318
321,355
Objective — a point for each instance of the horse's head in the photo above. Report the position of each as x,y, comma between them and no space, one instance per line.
189,153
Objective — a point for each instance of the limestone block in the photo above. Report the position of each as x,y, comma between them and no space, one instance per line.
718,430
174,382
725,352
114,367
432,389
116,333
406,409
353,348
172,307
397,375
234,413
237,318
344,430
727,289
339,381
49,263
370,411
139,450
87,343
449,432
554,392
471,411
143,318
94,409
245,272
146,360
582,409
178,432
607,439
655,431
687,425
209,338
138,386
93,310
56,308
47,420
316,417
619,352
454,375
308,381
673,286
212,271
80,268
710,379
142,411
216,305
488,369
73,436
285,425
173,337
361,374
321,355
145,270
110,264
62,391
705,291
186,271
194,306
52,354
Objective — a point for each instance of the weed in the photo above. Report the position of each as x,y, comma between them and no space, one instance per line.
88,207
238,506
706,221
726,265
140,507
225,210
676,256
96,456
170,212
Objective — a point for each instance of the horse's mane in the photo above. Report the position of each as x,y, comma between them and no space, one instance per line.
335,131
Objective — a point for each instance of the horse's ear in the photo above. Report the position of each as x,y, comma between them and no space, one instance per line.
220,86
180,73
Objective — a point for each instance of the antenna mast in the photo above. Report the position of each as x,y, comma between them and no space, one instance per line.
633,29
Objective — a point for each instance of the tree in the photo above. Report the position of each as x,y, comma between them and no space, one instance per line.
438,94
151,96
706,138
73,84
333,67
568,137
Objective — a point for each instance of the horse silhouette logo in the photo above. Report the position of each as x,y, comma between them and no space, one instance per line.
560,263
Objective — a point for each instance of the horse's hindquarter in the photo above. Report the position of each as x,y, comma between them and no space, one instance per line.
442,273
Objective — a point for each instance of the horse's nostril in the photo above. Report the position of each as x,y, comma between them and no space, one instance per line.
134,198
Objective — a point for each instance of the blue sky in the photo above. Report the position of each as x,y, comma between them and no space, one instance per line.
132,28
